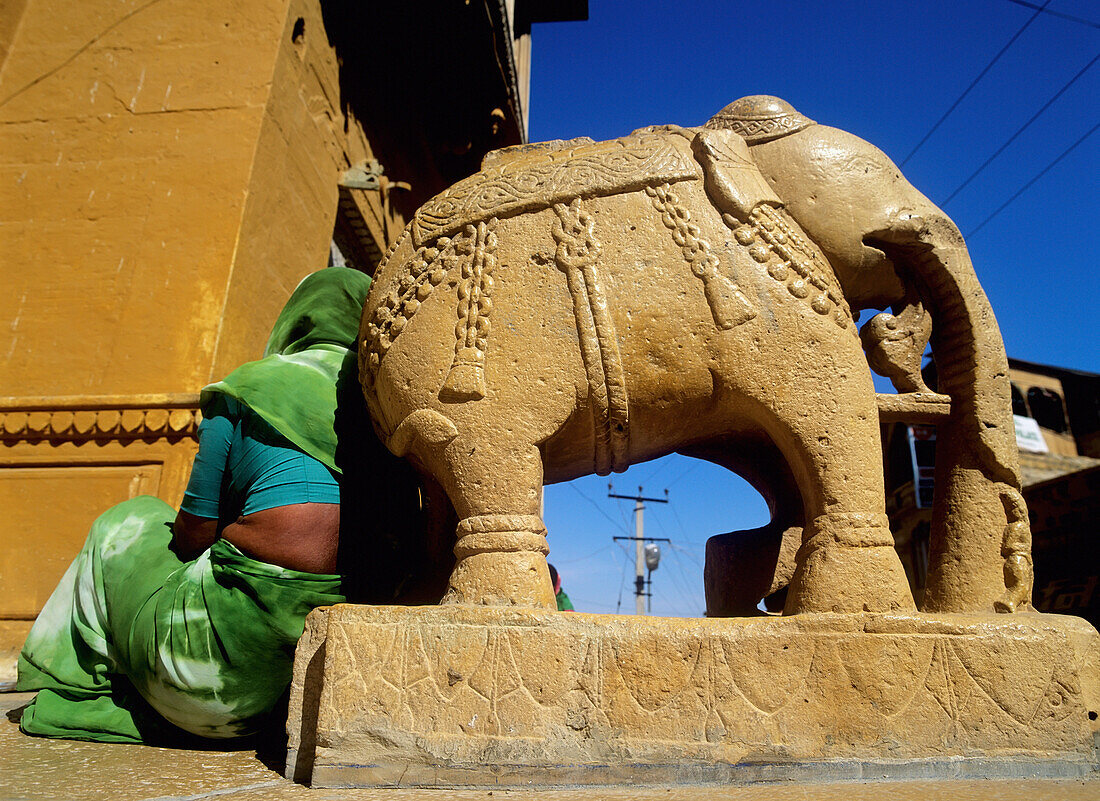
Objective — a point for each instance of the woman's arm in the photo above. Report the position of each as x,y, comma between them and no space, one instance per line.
196,525
191,535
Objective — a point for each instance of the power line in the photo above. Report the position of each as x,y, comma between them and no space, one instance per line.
674,547
1070,17
661,525
694,464
677,553
675,584
679,522
622,581
690,585
598,509
690,597
665,462
582,558
691,578
687,552
1022,128
626,520
974,83
686,595
1027,186
675,607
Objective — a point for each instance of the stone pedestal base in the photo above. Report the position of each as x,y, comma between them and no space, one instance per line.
472,696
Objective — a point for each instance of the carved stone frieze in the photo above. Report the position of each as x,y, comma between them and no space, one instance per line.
433,695
99,418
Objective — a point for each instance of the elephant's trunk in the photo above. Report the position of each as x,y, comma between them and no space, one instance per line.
971,365
980,543
884,238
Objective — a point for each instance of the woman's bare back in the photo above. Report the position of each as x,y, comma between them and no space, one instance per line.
299,536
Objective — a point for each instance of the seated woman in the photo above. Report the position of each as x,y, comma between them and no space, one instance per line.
189,621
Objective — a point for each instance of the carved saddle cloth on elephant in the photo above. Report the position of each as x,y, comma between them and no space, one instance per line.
653,159
456,230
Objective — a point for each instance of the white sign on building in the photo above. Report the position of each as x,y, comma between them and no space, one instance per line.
1028,435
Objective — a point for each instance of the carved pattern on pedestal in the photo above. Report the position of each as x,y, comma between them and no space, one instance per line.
728,305
770,233
549,177
99,418
466,683
577,255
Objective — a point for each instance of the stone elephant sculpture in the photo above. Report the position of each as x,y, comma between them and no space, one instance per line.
581,306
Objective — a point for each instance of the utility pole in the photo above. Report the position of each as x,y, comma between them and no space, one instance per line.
640,593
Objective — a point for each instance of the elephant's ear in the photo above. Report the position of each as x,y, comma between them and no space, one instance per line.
733,181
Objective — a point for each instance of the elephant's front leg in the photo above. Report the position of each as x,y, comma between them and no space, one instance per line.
823,418
847,562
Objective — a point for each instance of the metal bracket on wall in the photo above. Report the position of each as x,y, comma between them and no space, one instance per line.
364,175
369,175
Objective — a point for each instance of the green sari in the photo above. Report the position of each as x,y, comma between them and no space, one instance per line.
136,645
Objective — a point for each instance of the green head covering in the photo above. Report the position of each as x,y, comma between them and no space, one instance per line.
324,310
294,387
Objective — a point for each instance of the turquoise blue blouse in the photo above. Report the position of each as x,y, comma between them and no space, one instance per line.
244,465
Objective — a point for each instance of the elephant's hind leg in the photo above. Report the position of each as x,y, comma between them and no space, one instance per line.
501,540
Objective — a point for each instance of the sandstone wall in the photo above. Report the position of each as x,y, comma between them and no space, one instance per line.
170,173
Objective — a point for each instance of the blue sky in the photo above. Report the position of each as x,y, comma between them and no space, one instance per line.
886,71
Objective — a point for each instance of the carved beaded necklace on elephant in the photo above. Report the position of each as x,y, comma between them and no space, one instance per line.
456,230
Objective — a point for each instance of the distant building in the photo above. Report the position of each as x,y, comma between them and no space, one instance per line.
1065,407
1057,414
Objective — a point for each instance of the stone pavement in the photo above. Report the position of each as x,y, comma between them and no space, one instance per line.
35,769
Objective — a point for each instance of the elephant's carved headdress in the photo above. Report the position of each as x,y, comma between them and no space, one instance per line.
760,118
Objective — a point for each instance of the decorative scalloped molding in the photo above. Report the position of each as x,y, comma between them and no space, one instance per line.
103,417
